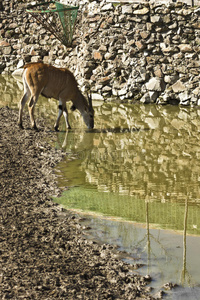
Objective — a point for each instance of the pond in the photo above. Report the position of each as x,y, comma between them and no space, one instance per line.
139,168
136,177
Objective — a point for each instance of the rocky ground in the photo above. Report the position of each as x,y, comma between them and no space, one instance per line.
43,254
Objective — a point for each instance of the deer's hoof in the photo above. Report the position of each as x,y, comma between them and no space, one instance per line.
20,125
35,127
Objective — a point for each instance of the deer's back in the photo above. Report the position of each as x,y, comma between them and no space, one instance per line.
50,81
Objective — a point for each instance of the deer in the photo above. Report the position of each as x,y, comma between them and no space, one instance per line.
58,83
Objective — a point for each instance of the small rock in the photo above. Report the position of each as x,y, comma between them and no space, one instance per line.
185,48
97,96
169,286
122,92
145,99
104,80
170,79
155,84
184,96
159,295
178,87
126,9
155,18
143,11
140,45
97,55
4,44
144,34
20,64
107,7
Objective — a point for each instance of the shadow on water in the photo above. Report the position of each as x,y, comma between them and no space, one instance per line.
103,130
114,130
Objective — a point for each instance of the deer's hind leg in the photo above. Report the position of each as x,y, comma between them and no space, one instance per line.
31,108
22,102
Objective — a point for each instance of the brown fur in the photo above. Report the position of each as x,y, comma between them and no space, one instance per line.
57,83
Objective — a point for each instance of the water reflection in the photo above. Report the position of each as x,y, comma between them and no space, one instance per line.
144,169
131,160
186,279
169,257
11,91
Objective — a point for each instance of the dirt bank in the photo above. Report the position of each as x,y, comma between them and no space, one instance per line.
42,252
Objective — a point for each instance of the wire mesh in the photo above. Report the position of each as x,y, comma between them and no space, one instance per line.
57,18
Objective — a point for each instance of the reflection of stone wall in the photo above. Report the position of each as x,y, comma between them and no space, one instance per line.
11,91
158,164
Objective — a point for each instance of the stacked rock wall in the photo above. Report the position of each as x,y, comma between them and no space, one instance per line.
146,51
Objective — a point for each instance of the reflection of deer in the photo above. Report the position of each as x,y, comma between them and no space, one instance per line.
148,238
184,272
57,83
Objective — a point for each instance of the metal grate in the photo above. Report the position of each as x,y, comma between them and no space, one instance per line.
57,18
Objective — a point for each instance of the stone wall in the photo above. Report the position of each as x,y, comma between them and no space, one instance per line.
147,51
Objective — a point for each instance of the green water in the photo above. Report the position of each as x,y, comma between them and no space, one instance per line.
166,216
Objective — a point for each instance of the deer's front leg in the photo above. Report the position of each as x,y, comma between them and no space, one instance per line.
21,106
60,112
65,112
62,109
31,108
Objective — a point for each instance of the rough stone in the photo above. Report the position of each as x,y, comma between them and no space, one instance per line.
107,7
155,84
178,87
97,56
140,45
171,79
142,11
4,44
184,96
185,48
126,9
7,50
155,18
20,64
